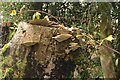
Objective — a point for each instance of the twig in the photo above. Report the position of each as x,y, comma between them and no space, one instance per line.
55,17
44,12
111,49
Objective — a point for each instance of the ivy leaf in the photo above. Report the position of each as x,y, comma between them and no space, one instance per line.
109,38
116,62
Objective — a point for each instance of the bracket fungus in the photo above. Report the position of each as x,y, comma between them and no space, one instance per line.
62,37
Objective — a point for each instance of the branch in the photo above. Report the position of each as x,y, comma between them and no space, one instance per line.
56,17
111,49
45,13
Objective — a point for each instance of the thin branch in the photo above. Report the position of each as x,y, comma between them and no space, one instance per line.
111,49
56,17
45,13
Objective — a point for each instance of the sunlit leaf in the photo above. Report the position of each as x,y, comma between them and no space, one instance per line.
5,47
36,15
33,16
116,62
46,18
109,38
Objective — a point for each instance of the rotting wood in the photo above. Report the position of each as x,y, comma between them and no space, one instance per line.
43,55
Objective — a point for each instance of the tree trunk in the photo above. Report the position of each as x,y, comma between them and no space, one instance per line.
105,53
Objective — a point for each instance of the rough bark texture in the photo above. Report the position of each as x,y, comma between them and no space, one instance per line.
105,53
34,53
40,54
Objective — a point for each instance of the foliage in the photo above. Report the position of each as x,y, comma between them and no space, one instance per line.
36,15
3,61
109,38
5,47
12,12
11,34
116,62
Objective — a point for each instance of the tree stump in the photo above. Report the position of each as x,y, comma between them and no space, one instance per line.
34,52
41,51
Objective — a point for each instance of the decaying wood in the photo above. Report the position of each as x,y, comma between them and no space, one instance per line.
44,22
44,57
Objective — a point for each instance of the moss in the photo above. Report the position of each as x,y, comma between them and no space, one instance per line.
5,47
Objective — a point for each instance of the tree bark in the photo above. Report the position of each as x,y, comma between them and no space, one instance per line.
35,54
105,53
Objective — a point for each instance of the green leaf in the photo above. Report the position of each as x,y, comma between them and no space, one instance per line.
21,65
33,17
1,74
5,47
109,38
36,15
116,62
11,34
10,69
46,18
